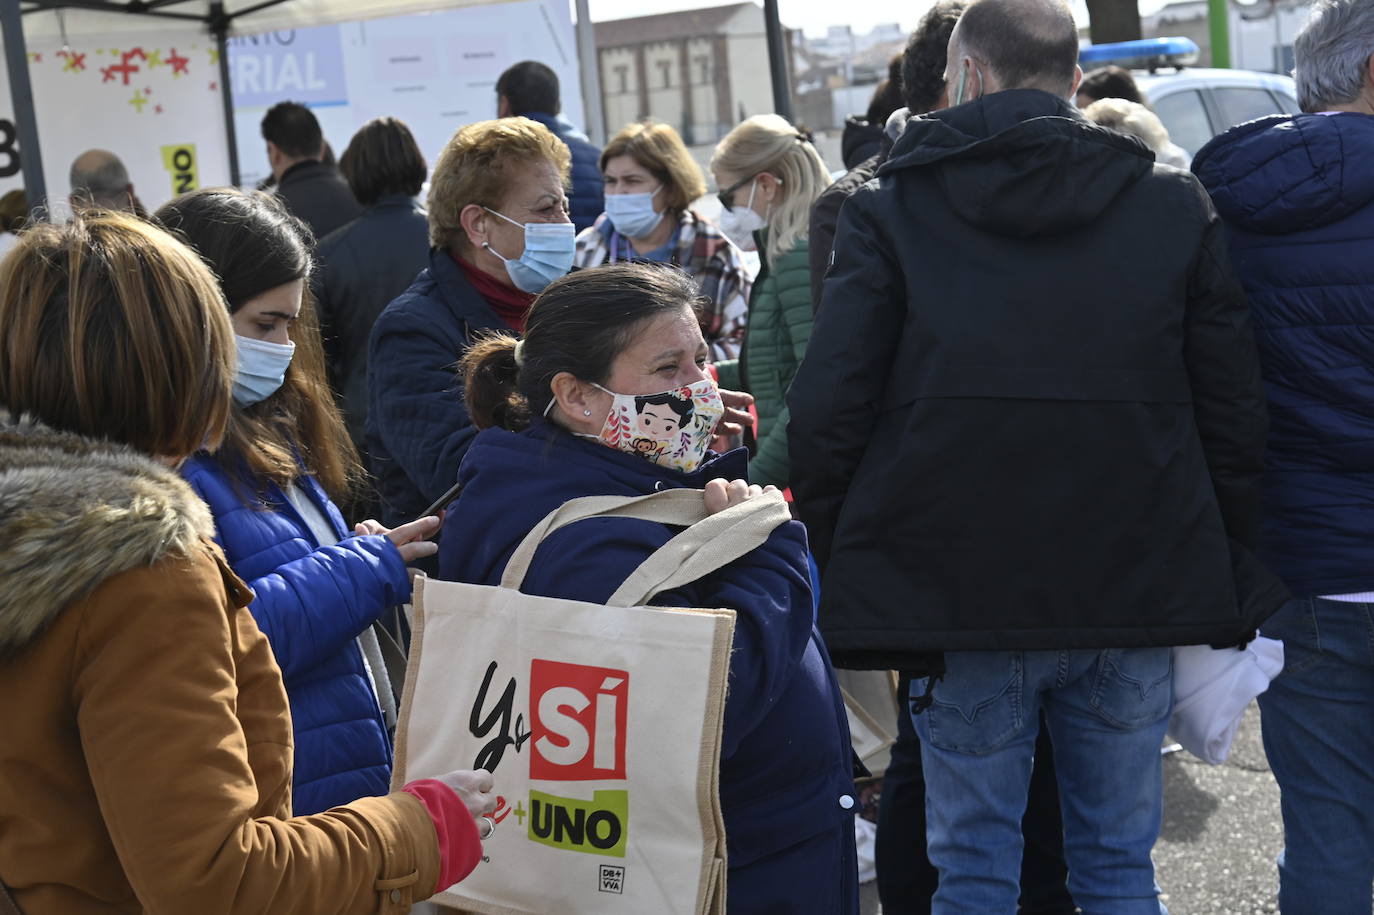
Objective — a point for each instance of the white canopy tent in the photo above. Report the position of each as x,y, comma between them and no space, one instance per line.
23,20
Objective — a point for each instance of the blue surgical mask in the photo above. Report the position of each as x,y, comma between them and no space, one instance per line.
549,251
633,215
262,369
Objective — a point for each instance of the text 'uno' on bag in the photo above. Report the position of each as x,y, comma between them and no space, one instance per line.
601,724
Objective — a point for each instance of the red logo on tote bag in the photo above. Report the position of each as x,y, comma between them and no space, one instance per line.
578,721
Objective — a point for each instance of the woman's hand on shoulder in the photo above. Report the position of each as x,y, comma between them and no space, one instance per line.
412,540
720,494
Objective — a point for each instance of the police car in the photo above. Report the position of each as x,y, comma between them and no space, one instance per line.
1195,104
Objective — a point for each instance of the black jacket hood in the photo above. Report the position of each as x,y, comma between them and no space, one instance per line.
1022,162
859,141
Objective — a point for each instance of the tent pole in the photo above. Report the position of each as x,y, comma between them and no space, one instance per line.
777,60
21,95
219,25
590,65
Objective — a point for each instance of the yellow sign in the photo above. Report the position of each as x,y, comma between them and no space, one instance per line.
180,160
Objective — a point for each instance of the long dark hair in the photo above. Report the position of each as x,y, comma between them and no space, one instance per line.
253,245
579,325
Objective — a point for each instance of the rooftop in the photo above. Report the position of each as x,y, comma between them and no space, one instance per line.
669,26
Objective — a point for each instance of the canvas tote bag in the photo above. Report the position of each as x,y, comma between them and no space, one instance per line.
601,724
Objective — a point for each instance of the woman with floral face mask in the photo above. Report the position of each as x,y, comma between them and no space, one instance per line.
650,183
272,488
769,176
608,394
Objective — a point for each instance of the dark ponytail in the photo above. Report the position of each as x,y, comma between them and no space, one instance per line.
579,325
491,378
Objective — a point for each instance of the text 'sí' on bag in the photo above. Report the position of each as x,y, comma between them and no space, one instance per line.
601,724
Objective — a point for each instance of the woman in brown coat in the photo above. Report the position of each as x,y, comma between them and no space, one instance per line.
146,757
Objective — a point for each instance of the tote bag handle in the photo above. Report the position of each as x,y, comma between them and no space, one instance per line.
709,542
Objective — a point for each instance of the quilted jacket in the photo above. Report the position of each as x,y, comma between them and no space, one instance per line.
775,339
418,428
1297,197
312,602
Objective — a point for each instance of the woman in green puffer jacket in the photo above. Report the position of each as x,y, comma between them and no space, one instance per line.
769,176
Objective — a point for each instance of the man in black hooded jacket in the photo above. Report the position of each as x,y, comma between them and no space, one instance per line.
1029,434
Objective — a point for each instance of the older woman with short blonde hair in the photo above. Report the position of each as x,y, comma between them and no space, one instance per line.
499,233
651,181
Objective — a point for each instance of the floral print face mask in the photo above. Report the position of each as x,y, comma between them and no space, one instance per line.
672,428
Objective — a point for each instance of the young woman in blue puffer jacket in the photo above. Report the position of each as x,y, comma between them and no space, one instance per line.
318,589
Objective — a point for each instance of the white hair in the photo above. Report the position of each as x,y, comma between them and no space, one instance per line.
1332,53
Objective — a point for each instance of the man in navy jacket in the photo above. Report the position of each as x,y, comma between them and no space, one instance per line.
529,89
1297,197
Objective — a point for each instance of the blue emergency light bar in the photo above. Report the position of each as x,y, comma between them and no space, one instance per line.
1145,54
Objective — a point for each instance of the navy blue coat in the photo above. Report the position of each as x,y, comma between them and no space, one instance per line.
362,267
586,202
417,424
312,603
1297,197
785,761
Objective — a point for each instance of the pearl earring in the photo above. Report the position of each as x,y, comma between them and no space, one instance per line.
586,412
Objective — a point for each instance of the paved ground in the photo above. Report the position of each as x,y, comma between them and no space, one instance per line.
1221,833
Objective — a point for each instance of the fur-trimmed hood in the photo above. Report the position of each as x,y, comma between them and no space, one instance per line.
73,512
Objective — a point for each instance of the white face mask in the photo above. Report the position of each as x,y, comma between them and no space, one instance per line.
741,222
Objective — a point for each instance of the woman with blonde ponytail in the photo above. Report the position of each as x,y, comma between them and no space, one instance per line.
769,176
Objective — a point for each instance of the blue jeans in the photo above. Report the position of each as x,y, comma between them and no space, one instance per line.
1318,724
1107,712
906,878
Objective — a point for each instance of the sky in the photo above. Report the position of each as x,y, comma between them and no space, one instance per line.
813,16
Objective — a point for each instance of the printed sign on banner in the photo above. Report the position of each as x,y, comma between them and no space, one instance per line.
139,95
180,161
304,65
435,71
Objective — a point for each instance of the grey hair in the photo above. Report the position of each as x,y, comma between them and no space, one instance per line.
1332,53
103,177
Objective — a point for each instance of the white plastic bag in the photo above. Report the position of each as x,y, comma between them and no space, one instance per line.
1213,687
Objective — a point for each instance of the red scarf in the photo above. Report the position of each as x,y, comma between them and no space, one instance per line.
510,304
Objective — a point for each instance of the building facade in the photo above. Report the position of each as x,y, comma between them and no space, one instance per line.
702,71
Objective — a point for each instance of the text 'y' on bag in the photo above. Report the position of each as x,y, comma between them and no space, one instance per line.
601,724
